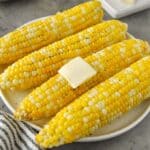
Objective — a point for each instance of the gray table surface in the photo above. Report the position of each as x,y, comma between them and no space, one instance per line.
15,13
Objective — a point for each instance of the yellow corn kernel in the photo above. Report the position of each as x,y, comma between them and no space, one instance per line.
47,60
114,97
42,32
50,97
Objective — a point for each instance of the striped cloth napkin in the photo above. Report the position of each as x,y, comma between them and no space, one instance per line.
16,135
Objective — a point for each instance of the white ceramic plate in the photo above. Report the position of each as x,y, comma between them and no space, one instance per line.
117,127
118,8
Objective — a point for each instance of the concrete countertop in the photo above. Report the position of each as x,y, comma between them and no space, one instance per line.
15,13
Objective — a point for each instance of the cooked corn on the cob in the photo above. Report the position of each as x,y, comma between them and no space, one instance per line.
38,66
54,94
99,106
42,32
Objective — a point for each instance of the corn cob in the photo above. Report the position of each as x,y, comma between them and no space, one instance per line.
42,32
99,106
38,66
50,97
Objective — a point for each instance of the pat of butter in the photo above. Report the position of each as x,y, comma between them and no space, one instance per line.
77,71
129,1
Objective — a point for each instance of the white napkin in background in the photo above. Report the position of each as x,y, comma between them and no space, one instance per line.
118,8
16,135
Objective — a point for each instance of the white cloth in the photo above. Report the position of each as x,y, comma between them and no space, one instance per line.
16,135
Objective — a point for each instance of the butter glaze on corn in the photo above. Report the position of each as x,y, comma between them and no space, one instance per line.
42,32
38,66
50,97
109,100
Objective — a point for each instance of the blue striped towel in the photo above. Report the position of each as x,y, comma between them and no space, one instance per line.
16,135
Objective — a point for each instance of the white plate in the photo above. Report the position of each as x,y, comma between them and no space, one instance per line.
118,8
117,127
